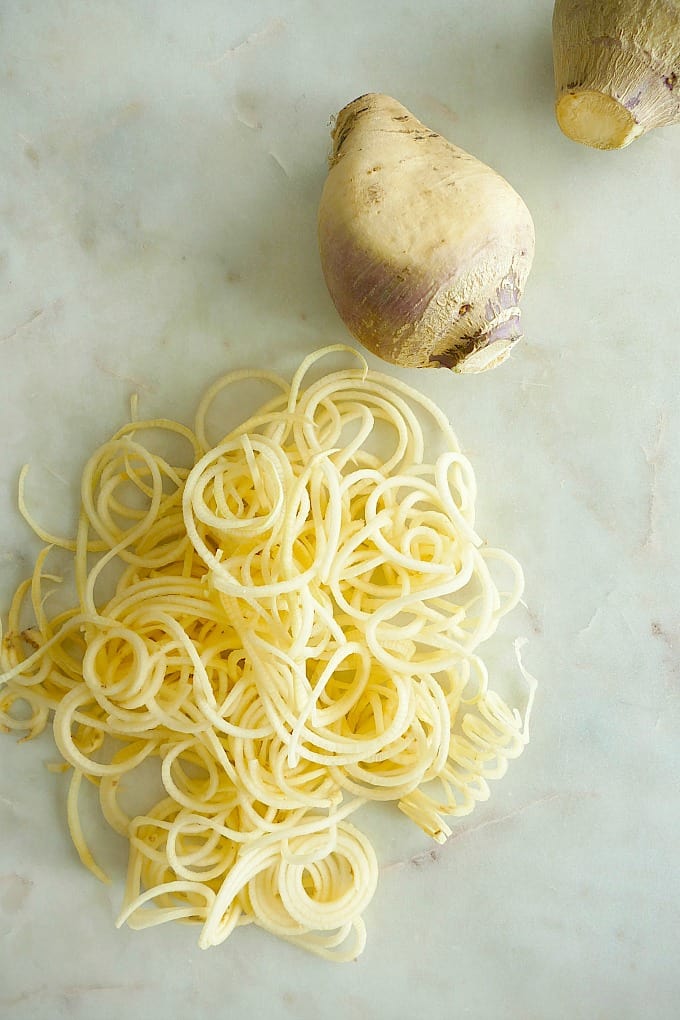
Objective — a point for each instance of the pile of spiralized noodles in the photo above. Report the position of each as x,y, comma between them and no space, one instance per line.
293,633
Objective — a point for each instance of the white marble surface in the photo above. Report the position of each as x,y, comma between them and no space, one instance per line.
161,166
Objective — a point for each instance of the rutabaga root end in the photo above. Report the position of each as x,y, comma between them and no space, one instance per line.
483,351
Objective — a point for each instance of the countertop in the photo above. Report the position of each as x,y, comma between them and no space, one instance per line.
161,170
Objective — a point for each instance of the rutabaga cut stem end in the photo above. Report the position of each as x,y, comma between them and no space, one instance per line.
596,119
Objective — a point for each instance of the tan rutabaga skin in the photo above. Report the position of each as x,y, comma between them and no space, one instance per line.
617,68
424,249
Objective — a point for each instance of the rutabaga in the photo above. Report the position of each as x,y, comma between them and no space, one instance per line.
617,69
425,250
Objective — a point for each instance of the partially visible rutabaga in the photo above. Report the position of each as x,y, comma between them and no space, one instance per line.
617,68
424,249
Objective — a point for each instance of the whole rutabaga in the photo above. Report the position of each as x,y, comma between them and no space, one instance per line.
424,249
617,68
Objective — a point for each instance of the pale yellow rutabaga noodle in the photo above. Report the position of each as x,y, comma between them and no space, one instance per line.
293,633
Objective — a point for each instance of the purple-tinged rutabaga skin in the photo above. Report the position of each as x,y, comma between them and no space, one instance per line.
617,69
424,249
387,299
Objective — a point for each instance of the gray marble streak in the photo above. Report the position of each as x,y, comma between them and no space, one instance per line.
162,165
